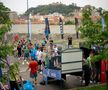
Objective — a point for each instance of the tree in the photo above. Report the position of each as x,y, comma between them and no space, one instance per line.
5,22
89,29
54,7
5,49
5,26
94,35
105,14
92,31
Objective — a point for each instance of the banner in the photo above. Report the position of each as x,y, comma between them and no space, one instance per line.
47,24
52,73
30,29
76,27
76,21
47,28
61,27
46,21
103,24
53,70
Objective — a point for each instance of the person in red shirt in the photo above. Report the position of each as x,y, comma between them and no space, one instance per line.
16,37
33,66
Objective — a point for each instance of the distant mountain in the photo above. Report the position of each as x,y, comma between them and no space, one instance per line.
51,8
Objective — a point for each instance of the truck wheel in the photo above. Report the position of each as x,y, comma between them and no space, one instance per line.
64,76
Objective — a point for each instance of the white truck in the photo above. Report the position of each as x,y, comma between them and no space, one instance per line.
71,62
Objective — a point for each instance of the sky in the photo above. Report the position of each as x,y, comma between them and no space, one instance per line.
20,6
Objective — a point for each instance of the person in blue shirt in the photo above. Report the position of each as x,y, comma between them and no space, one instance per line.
36,45
33,53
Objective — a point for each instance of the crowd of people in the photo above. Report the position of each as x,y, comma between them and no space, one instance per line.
39,50
44,53
38,54
41,54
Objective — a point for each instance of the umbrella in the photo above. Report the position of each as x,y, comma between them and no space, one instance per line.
76,26
103,23
46,21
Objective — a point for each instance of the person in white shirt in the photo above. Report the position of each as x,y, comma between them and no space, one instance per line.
39,58
55,50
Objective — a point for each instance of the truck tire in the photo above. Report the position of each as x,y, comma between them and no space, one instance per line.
64,76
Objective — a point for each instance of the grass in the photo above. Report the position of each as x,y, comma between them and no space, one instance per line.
95,87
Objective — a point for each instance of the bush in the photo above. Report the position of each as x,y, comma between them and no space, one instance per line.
69,23
97,87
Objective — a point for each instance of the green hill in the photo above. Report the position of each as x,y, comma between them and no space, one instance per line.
51,8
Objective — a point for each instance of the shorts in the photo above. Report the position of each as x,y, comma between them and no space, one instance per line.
26,55
33,75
